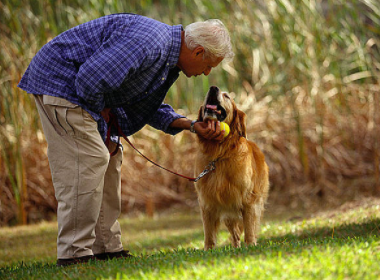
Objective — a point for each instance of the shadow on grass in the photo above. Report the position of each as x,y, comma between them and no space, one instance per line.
346,234
345,231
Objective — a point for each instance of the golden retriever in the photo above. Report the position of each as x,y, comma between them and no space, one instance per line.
236,191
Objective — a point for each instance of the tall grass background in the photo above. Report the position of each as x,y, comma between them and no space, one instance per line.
306,73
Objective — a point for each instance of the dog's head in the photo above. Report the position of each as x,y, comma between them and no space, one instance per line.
219,106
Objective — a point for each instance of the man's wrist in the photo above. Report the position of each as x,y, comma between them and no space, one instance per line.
192,129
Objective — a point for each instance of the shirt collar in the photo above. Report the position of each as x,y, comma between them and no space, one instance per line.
176,45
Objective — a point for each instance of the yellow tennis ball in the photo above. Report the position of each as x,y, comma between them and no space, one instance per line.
225,127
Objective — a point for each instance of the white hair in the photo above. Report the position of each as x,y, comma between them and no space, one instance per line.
213,36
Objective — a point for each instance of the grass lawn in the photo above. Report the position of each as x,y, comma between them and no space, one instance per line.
342,244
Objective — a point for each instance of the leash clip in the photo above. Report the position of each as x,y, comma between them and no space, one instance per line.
210,167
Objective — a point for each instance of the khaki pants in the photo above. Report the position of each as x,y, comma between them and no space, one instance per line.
86,180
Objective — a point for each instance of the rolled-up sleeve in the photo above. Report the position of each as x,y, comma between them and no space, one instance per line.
163,117
107,69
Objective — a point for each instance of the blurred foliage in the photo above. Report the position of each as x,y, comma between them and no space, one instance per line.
305,72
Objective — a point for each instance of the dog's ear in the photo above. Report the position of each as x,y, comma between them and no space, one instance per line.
238,124
200,114
241,123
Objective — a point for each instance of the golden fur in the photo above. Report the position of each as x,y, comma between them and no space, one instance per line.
237,190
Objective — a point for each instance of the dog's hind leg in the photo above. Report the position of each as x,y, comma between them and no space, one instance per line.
251,220
211,221
233,226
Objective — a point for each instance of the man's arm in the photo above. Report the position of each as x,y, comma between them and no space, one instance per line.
210,130
167,120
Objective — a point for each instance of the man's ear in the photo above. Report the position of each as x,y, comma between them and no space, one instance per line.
198,51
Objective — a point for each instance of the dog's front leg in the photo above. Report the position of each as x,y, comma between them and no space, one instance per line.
211,221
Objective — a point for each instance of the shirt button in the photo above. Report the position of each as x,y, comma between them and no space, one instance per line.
167,64
163,79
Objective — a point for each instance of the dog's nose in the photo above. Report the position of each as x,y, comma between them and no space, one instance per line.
214,89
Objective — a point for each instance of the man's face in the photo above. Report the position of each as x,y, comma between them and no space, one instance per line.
195,65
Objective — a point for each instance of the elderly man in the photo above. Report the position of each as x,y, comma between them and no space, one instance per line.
124,64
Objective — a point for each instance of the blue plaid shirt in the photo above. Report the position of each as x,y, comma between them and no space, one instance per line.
125,62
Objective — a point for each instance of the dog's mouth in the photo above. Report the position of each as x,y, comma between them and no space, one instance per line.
214,113
213,110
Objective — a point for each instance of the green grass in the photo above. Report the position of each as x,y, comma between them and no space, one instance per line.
334,245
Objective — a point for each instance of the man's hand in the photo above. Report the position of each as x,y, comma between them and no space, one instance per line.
105,114
210,130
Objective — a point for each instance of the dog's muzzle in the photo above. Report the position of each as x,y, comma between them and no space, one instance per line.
213,110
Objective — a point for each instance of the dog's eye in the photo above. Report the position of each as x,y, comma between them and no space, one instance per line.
227,96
